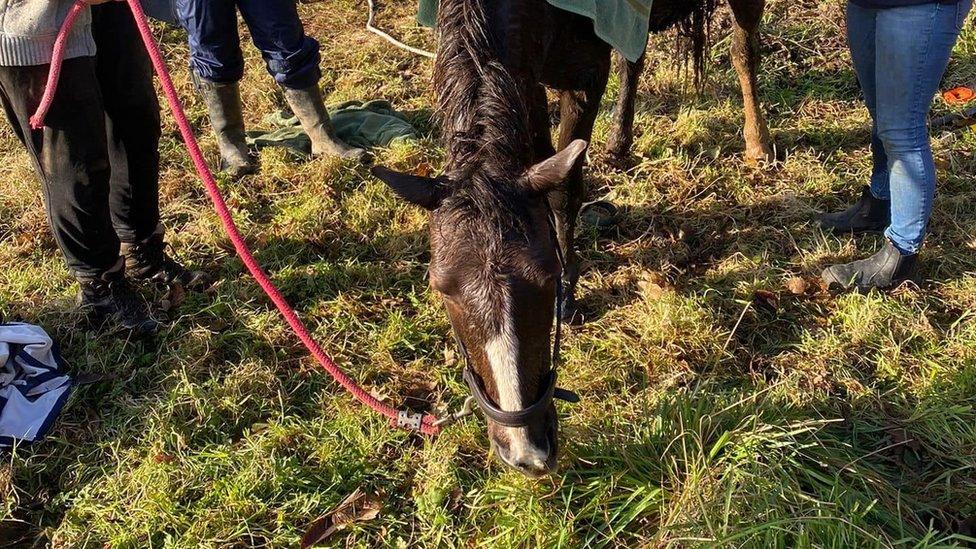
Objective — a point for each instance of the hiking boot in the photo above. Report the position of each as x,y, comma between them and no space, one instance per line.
147,261
110,298
308,106
887,269
868,215
227,118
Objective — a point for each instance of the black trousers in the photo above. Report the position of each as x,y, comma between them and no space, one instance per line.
98,157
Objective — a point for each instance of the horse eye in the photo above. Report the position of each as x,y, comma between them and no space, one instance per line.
446,290
440,284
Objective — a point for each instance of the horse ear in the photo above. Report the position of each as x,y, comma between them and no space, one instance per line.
553,171
426,192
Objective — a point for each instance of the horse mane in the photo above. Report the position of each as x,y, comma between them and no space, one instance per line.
485,123
481,105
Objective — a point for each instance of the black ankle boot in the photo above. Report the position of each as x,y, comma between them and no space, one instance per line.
868,215
147,261
884,270
110,299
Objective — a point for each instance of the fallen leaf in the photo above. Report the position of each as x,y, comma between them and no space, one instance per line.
357,507
163,457
23,244
766,299
174,296
653,285
450,356
797,286
424,169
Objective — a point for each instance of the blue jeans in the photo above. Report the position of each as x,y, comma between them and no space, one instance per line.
291,56
900,55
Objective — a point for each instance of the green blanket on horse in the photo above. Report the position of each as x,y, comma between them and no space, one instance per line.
621,23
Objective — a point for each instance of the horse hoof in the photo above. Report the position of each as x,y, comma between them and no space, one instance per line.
570,313
759,157
618,157
601,214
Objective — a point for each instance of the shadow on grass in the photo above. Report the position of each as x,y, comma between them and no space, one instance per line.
684,242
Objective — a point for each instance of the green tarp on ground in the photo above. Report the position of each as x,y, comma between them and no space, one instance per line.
621,23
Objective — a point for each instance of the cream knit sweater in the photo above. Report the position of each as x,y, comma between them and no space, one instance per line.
28,29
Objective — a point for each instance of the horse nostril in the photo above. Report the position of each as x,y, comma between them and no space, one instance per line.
532,465
531,461
533,456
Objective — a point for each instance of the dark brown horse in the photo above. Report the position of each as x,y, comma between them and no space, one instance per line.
694,16
494,255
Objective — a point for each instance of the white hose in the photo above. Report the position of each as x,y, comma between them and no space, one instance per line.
371,28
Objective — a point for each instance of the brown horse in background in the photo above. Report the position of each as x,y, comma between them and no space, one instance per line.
693,18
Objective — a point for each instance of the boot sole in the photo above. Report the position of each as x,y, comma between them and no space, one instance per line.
835,287
859,231
114,328
199,285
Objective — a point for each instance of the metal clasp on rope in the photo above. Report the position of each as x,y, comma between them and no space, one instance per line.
466,410
413,421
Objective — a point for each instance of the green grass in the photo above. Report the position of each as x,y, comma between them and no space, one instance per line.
710,417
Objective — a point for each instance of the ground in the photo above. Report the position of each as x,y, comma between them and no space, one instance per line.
727,400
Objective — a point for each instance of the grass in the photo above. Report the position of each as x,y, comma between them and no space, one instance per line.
722,407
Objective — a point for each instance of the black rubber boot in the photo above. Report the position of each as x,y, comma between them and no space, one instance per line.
309,107
147,261
227,118
884,270
868,215
110,298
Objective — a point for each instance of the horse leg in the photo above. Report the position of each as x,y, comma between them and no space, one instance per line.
578,110
746,57
622,136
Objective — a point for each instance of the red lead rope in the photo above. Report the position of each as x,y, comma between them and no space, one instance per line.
426,423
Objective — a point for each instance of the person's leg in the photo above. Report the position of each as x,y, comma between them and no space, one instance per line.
293,58
862,41
215,45
914,45
913,48
125,77
71,158
217,65
871,213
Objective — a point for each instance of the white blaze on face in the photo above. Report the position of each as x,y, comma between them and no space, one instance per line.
502,351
